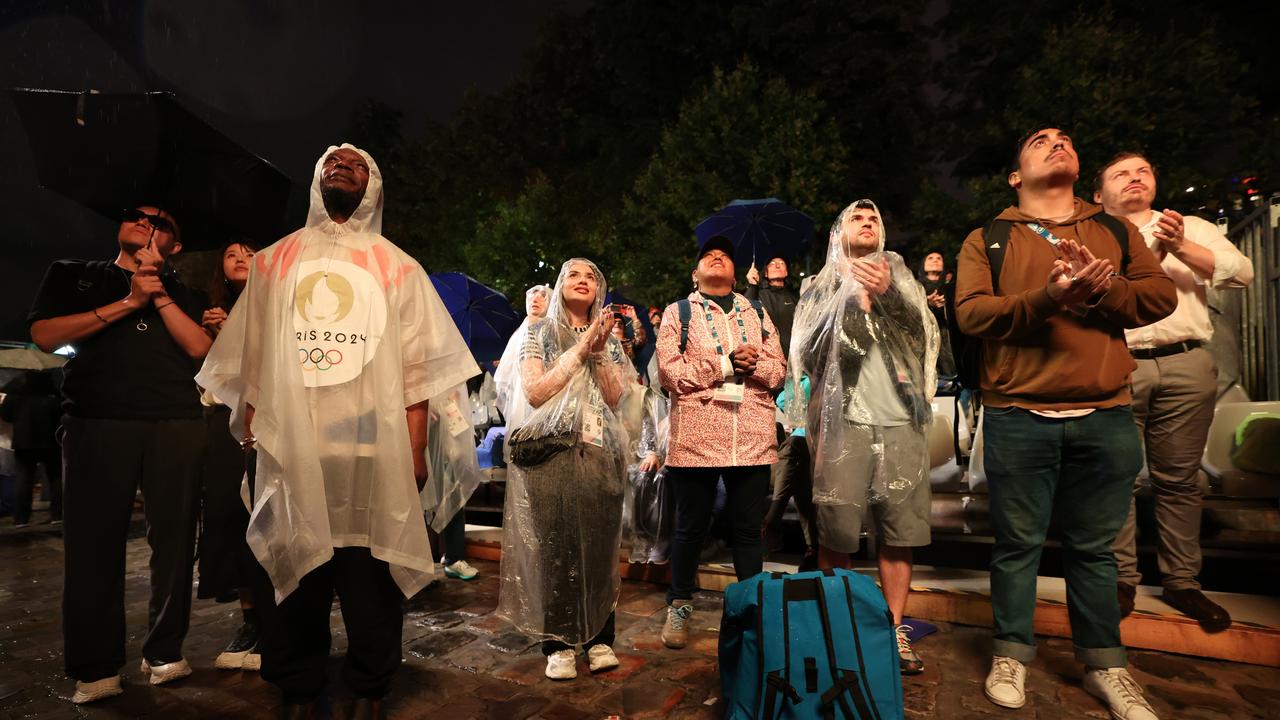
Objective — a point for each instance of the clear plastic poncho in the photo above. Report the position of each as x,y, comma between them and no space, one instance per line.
562,522
451,456
336,333
650,508
507,377
873,376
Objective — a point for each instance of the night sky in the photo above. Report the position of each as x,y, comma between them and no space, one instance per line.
281,77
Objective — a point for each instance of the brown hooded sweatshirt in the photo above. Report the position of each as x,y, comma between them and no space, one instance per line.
1036,355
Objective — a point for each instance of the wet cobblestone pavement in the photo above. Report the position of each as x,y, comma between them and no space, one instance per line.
461,662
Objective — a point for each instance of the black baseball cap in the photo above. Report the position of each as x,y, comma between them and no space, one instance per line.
716,242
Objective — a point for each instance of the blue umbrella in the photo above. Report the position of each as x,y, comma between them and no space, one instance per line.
483,315
760,230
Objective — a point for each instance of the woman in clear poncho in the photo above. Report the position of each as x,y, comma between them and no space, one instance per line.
562,524
507,378
866,338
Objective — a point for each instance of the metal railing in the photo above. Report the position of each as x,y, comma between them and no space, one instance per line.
1258,237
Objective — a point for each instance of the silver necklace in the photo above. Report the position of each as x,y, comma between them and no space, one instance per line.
142,325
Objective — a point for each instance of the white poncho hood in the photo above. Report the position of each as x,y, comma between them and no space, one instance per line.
336,333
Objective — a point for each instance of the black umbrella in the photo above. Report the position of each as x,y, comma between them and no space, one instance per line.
111,151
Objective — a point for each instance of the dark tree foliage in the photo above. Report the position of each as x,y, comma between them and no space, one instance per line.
637,118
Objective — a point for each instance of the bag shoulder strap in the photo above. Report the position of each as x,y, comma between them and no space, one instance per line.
996,237
755,303
998,232
1121,233
685,311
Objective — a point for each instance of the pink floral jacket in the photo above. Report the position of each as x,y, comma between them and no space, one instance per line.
706,432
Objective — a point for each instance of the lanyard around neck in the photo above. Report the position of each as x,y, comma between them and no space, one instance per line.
711,324
1043,232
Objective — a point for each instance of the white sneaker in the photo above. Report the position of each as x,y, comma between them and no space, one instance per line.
600,657
1122,694
87,692
1006,682
252,662
168,672
562,665
460,570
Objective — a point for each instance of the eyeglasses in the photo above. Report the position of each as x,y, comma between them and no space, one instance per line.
162,224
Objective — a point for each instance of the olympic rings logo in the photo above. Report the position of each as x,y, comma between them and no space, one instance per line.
319,358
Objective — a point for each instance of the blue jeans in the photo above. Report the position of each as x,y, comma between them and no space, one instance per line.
1083,470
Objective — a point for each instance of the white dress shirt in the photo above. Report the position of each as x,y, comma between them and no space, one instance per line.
1190,320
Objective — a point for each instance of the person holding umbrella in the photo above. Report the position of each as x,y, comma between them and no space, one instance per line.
777,296
133,417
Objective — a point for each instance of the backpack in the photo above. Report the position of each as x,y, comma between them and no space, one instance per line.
809,645
685,310
966,349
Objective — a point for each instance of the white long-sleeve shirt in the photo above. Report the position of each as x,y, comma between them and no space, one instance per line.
1190,320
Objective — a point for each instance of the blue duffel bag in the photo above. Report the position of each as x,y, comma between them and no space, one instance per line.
810,645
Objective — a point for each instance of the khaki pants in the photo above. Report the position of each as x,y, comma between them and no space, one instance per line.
1173,406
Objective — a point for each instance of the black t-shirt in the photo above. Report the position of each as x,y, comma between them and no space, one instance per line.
122,372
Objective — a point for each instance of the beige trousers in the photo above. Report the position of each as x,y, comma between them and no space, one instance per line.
1173,401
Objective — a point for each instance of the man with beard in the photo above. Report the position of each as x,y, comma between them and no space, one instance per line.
330,359
133,419
1175,383
1060,438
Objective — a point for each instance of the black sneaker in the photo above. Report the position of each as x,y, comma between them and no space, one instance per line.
240,654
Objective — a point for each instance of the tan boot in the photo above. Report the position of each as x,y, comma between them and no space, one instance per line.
675,631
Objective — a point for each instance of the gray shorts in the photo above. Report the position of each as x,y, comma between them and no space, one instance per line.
901,520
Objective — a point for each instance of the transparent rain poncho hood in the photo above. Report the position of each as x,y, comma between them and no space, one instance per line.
510,387
562,522
869,370
336,333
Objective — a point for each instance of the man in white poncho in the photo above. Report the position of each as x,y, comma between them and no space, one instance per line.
865,337
330,359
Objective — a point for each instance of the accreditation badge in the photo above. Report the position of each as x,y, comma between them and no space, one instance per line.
729,392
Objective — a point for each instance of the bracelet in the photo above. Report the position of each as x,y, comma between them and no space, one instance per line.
104,320
161,307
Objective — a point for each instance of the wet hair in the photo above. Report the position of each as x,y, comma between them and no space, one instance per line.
865,204
222,293
1118,157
